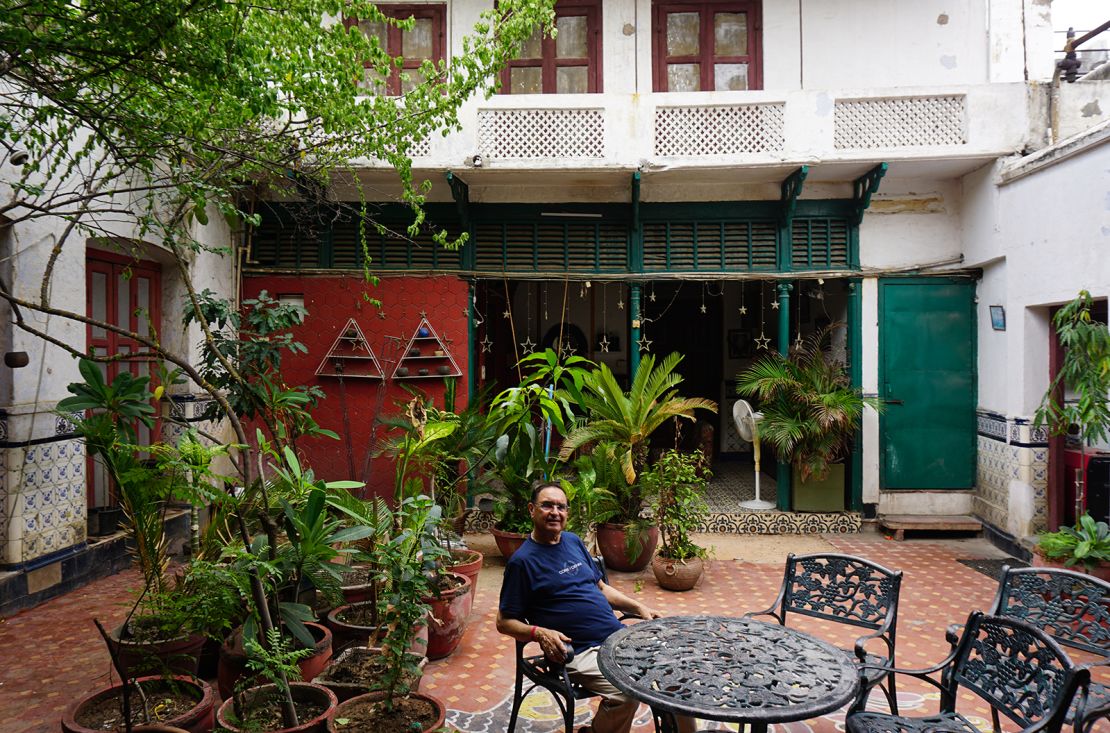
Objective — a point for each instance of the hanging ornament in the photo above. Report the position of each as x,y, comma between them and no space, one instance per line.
651,295
545,318
775,304
527,346
644,344
486,344
743,308
798,341
603,344
702,308
620,303
568,349
762,342
505,314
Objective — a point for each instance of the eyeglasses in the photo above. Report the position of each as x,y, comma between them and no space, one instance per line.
553,506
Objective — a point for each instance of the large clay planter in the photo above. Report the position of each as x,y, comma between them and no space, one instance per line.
180,655
345,633
448,618
469,563
346,690
197,720
357,593
678,575
301,691
233,658
507,542
1100,571
611,542
374,697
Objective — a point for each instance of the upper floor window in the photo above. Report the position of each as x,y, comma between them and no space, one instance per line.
569,63
423,42
706,46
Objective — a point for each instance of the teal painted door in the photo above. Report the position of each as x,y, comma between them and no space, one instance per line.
927,380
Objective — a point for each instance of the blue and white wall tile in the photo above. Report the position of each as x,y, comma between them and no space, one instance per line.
1012,474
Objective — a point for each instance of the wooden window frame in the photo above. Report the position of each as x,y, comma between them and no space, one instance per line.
437,12
550,64
707,59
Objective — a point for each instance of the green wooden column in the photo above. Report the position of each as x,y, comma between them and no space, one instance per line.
782,470
634,332
471,345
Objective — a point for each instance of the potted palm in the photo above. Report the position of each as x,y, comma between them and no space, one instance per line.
624,420
678,481
525,419
810,415
1085,370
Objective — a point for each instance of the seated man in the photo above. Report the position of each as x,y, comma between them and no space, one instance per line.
553,594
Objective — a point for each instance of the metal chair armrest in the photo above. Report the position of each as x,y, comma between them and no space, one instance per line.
952,634
769,612
861,645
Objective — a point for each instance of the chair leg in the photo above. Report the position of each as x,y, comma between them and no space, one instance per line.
891,695
568,712
518,699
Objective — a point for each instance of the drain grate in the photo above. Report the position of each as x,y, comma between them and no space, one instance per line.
992,568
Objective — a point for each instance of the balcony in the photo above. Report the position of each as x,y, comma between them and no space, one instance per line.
933,132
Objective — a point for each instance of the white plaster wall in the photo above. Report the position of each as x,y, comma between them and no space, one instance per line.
1082,105
858,43
913,223
1043,237
869,338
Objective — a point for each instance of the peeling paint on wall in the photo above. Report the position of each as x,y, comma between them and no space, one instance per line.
911,204
1091,109
942,19
948,62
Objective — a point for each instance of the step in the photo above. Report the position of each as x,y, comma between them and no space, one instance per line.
901,523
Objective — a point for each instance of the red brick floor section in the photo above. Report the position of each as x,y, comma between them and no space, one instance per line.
52,654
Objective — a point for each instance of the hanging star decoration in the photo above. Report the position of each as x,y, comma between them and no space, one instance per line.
743,310
569,350
527,346
775,304
423,314
644,344
603,344
486,345
762,342
381,315
505,314
652,296
620,303
702,308
799,342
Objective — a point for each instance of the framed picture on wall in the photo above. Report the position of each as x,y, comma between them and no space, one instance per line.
998,318
740,344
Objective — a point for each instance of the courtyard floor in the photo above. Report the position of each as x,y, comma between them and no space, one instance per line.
52,654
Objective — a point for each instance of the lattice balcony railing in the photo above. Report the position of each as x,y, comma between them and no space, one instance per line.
862,124
541,133
719,130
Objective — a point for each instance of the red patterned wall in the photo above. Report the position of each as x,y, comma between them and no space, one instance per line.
331,301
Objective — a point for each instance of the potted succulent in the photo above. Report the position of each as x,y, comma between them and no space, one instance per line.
678,481
624,420
810,415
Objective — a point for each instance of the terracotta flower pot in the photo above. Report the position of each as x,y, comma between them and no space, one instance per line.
448,618
357,593
179,655
233,658
507,542
468,563
302,692
1100,571
196,720
677,575
345,711
346,632
611,542
350,684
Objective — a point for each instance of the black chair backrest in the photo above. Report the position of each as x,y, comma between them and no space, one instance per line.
842,588
1073,608
1017,668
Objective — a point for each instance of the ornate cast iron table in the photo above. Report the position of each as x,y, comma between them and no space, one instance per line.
735,670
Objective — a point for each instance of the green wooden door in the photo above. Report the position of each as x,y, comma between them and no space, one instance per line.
927,380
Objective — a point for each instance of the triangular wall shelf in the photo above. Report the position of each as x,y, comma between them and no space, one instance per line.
350,356
425,356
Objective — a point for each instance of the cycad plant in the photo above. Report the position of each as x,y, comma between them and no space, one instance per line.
629,418
810,409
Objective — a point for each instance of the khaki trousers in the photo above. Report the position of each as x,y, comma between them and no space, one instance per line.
617,710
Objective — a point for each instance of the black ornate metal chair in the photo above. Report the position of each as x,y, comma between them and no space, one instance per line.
551,676
848,590
1074,609
1017,668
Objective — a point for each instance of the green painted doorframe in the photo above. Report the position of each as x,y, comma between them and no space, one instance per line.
855,374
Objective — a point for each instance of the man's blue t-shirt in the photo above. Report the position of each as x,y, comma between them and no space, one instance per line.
555,586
